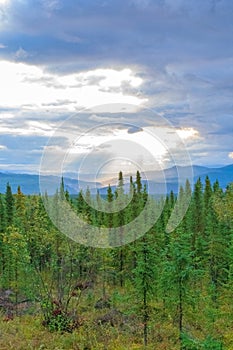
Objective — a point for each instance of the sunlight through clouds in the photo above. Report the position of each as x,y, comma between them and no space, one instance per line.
31,85
188,133
59,58
4,2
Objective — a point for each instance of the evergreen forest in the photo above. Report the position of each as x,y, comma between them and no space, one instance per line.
164,290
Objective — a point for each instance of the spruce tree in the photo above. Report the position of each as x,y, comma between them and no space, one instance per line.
119,222
223,206
144,278
2,214
9,200
20,210
62,189
109,222
138,182
198,240
80,203
2,230
145,263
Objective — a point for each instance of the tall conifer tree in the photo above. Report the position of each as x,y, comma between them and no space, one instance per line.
9,199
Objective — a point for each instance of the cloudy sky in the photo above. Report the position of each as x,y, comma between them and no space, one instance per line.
104,84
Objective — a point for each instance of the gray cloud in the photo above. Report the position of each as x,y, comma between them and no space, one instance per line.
181,49
145,32
134,129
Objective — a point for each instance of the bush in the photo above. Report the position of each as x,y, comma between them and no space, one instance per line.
56,318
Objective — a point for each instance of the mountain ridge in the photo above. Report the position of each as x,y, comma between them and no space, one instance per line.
157,181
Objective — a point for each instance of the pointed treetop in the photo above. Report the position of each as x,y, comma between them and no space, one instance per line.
19,192
120,176
110,195
138,182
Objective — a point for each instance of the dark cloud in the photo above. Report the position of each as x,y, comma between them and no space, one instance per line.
95,32
181,49
134,129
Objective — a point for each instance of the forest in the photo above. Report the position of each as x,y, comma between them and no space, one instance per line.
164,290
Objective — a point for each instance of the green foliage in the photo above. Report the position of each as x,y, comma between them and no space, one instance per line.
9,199
207,344
16,267
55,317
174,290
2,215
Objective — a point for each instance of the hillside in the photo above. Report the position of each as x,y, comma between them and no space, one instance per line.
155,179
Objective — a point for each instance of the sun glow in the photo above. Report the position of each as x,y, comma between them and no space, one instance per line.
30,86
4,2
187,133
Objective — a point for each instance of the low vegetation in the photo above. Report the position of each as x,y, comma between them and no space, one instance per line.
162,291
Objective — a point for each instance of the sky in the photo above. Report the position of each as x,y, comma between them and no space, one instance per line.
109,85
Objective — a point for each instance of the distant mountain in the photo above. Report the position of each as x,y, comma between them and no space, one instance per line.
30,184
161,182
224,175
158,182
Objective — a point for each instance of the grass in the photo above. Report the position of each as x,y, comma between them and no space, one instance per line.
28,333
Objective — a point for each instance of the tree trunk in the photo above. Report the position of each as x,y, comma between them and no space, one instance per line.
121,267
145,318
180,312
